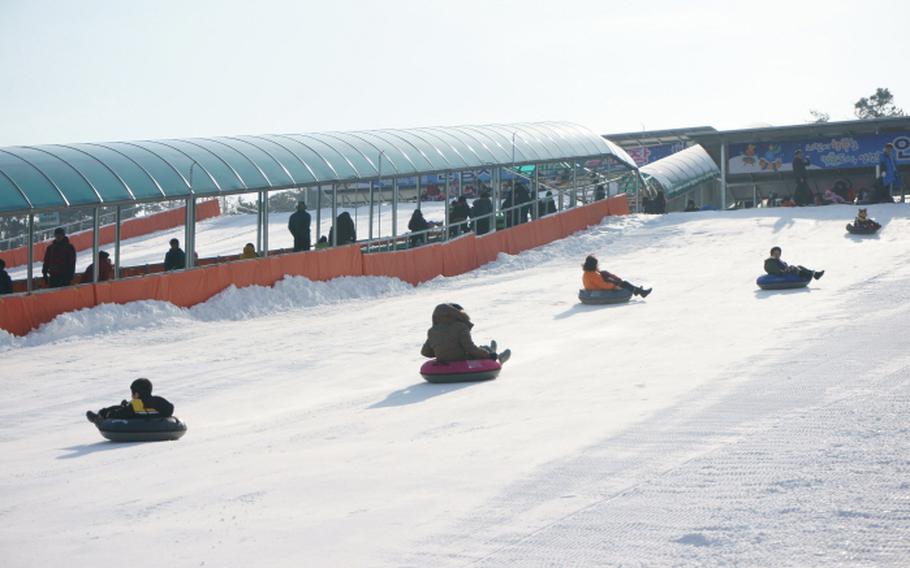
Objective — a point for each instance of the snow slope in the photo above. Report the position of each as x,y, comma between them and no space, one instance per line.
712,424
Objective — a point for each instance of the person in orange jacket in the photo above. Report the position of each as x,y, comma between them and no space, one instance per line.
595,279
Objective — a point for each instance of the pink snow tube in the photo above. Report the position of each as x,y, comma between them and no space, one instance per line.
460,371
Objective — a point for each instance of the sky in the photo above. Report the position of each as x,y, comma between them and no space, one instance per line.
97,70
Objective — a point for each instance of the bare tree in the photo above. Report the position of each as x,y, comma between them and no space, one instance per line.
879,105
819,116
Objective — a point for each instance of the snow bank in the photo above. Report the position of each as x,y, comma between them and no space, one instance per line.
290,293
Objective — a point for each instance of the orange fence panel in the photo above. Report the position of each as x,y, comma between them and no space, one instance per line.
619,205
460,255
488,247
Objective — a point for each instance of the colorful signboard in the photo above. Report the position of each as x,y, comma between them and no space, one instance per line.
839,152
647,154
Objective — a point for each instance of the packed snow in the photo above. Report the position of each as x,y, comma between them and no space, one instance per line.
711,424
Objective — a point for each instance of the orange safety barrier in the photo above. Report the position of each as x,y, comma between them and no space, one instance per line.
488,247
19,314
460,255
130,228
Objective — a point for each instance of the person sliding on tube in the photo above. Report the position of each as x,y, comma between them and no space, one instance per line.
776,267
142,405
450,338
863,221
595,279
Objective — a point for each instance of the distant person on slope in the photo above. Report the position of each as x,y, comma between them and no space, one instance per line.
175,258
142,405
59,261
450,338
776,267
863,221
299,226
595,279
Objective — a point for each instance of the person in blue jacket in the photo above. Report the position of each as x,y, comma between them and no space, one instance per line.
890,173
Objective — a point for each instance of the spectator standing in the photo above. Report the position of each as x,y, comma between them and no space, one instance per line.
347,233
547,206
415,225
599,192
458,213
59,261
175,259
6,283
802,195
105,269
889,172
481,212
523,198
299,226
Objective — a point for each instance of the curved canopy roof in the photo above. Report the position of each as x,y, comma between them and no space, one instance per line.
681,171
67,175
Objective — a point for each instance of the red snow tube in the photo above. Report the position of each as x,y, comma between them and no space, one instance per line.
460,371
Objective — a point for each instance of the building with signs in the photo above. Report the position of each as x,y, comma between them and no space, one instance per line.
757,163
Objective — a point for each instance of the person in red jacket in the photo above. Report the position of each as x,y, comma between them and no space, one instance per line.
105,269
595,279
59,261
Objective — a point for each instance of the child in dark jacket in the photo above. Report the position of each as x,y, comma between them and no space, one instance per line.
142,405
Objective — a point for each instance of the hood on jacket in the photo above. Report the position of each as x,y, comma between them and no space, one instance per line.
450,313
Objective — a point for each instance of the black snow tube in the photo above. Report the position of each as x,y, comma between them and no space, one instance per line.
618,296
142,429
786,282
870,229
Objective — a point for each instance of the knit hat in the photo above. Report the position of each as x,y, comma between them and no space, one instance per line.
142,387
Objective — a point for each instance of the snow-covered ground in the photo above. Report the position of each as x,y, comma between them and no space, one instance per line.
711,424
226,235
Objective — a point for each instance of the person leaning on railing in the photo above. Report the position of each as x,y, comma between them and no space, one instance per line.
481,210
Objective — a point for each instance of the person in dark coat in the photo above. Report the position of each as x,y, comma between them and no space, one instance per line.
59,261
299,226
175,259
416,224
142,405
458,213
547,206
450,337
481,212
523,198
6,283
347,234
776,267
599,192
660,203
802,195
105,269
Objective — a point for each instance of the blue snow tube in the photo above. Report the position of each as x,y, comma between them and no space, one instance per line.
617,296
142,429
785,282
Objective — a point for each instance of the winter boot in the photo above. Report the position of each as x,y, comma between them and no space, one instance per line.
818,274
643,292
493,345
93,418
504,356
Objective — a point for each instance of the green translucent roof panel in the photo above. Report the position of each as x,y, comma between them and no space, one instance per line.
681,171
56,176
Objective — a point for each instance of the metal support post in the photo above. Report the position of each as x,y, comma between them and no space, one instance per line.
318,214
494,182
96,241
723,176
536,194
259,221
446,202
117,235
31,253
574,200
334,215
370,232
265,224
394,208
